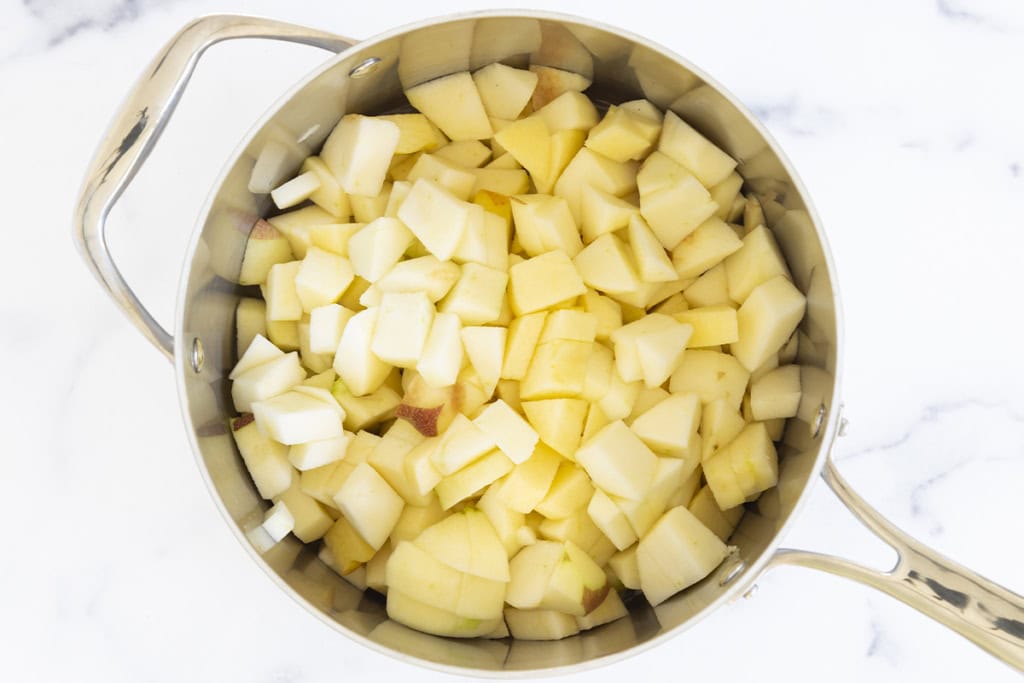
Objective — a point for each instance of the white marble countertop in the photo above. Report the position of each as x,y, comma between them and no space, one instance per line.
905,123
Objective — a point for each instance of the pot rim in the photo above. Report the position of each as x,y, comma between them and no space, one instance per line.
829,429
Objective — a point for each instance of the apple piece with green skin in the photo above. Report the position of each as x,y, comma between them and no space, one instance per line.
504,90
510,432
356,364
434,99
415,614
358,152
776,394
265,247
266,380
266,460
618,461
766,320
370,504
676,553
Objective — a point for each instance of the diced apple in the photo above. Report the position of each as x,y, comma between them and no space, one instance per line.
455,179
693,151
508,430
333,237
558,422
720,423
358,152
776,394
565,144
705,247
711,288
266,380
676,209
437,218
528,482
265,247
356,364
727,195
625,567
669,428
627,360
523,335
347,547
617,402
602,212
767,318
485,347
652,263
424,274
306,456
505,521
540,624
542,282
279,291
453,104
377,247
705,509
711,375
266,460
744,467
466,154
310,520
416,133
322,278
558,370
472,478
606,264
570,492
414,571
571,110
529,141
611,609
622,135
590,168
477,296
712,325
296,190
370,504
504,181
462,443
415,614
608,313
414,519
544,223
618,461
660,352
368,208
329,195
505,91
552,82
297,417
326,325
297,226
403,323
250,322
610,519
678,552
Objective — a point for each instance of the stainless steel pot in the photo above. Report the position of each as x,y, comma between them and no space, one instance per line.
369,76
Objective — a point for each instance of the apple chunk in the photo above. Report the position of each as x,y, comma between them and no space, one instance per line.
618,461
358,152
453,104
403,324
676,553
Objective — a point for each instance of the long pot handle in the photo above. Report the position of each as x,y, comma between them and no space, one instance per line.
980,610
135,130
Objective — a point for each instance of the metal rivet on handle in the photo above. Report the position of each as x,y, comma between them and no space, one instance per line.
819,421
751,592
731,573
198,357
365,68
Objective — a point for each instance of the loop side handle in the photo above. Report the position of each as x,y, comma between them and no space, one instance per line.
980,610
136,128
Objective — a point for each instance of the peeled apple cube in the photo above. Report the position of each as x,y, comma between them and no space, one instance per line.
693,151
416,133
758,260
279,291
572,110
472,478
358,152
675,210
712,325
744,467
622,135
529,142
310,520
606,264
618,461
676,553
611,520
543,281
523,335
711,375
356,364
485,347
311,454
453,104
552,82
257,352
558,422
710,243
322,278
419,615
437,218
266,380
504,90
370,504
590,168
377,247
540,624
477,296
661,351
776,394
670,426
569,492
601,213
508,430
457,180
294,417
766,320
721,522
403,323
266,460
441,360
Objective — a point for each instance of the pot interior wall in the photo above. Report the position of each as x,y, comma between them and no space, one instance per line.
621,70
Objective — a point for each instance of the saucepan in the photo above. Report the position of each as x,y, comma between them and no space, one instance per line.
368,77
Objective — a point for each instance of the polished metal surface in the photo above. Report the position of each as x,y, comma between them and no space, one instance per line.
368,78
136,128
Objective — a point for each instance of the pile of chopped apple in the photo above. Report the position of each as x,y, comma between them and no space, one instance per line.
513,356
